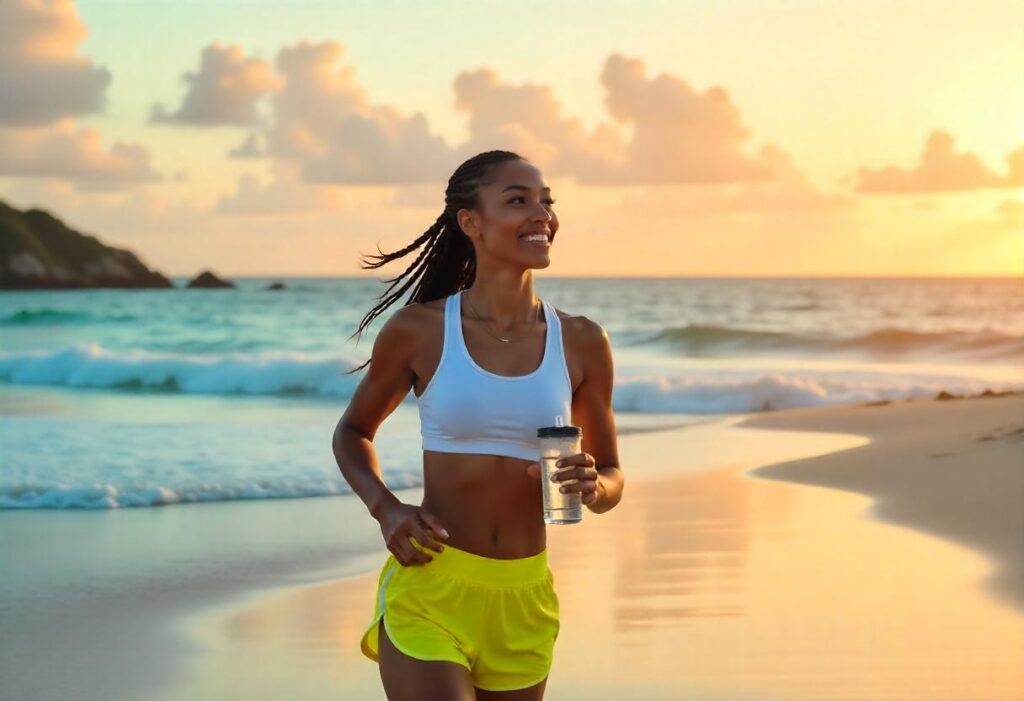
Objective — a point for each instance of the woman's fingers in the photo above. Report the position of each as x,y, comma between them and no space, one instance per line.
425,538
411,555
434,523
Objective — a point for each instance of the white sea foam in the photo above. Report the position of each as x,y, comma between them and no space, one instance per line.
715,392
89,365
295,374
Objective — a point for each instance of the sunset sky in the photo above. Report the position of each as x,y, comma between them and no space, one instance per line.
735,138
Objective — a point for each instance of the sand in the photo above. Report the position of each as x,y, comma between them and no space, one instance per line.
855,552
954,468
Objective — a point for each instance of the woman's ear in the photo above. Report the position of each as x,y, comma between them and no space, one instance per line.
468,222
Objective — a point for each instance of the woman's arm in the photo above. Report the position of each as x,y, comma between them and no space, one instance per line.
592,410
387,381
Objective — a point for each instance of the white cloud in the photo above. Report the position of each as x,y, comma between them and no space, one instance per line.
285,193
941,169
43,80
76,153
225,90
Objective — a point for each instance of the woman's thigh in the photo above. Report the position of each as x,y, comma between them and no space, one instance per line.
408,679
533,693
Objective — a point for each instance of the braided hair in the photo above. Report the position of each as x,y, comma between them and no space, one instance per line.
447,263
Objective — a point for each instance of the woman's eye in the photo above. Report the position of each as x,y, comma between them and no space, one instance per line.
549,201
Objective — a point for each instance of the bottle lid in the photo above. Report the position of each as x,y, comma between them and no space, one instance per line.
560,432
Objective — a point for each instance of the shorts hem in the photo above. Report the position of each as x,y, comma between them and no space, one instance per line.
517,687
405,650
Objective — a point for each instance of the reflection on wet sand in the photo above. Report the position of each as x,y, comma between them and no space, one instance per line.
705,584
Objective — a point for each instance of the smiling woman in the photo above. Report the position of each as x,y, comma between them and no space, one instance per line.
483,185
489,363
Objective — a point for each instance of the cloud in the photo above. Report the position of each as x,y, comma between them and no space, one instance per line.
225,90
941,170
1015,177
146,215
320,116
1011,213
286,193
43,80
43,85
324,118
788,191
323,128
679,134
527,119
75,153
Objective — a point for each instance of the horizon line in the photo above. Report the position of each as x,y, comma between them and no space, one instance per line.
998,276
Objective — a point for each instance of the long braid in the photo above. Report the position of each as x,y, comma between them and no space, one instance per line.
447,262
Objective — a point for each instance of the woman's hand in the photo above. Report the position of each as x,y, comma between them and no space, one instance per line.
583,470
402,522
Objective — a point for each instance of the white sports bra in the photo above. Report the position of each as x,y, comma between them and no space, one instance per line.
466,409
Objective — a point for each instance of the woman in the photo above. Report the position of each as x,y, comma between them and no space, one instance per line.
465,604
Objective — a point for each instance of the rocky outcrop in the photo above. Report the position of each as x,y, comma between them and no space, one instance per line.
276,286
208,279
39,252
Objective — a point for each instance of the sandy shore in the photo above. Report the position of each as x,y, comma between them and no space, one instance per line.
742,564
953,468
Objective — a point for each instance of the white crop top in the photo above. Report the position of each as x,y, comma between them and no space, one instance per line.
466,409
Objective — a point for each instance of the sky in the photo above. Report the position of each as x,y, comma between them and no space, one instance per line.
680,138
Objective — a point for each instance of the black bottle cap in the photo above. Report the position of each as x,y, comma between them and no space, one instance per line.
560,432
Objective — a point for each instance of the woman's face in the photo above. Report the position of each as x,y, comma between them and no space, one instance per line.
517,204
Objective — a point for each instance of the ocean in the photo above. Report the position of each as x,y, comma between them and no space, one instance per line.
142,398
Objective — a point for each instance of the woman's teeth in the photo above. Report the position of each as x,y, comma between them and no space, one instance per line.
540,238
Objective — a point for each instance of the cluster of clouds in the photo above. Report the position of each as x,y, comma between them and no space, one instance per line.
942,169
45,85
307,112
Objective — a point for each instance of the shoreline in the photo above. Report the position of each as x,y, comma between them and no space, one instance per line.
957,474
190,634
628,584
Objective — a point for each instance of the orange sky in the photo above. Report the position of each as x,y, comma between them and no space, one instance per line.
805,138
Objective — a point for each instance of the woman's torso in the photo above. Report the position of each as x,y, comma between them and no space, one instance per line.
488,503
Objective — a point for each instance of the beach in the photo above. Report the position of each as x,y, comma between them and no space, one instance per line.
218,248
953,468
860,551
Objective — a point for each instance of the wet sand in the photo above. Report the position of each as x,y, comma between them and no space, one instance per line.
804,554
715,580
953,468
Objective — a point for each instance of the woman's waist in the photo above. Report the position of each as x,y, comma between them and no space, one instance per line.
510,529
488,504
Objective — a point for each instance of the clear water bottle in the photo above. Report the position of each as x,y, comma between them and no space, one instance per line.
559,442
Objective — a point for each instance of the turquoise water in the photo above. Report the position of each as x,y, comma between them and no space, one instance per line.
116,398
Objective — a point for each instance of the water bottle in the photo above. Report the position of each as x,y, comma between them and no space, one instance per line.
559,442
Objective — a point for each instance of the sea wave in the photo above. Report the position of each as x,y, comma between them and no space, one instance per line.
703,340
104,495
46,317
298,375
722,393
91,366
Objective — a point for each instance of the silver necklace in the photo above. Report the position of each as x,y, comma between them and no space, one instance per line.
477,317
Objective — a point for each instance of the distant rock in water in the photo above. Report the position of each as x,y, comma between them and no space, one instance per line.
39,252
208,279
276,286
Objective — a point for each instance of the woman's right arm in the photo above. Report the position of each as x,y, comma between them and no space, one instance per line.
388,380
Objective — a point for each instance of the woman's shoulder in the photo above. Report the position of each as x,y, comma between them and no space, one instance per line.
579,328
421,319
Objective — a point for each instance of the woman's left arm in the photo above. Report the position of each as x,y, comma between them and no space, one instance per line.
598,474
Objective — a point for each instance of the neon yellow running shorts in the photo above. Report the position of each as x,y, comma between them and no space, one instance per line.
497,618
